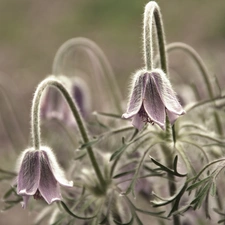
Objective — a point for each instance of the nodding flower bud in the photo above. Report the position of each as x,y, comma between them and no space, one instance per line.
151,98
53,102
39,175
80,93
54,106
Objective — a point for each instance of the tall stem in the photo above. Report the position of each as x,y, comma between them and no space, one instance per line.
35,120
152,10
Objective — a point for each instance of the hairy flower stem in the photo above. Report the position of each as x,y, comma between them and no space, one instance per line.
197,58
203,69
153,10
35,120
172,184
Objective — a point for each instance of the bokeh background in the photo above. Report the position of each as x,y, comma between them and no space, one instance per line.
32,31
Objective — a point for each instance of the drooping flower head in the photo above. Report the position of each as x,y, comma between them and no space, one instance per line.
54,105
151,98
39,175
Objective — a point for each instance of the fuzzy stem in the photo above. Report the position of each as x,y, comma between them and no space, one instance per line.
153,10
197,58
203,69
98,57
169,153
35,119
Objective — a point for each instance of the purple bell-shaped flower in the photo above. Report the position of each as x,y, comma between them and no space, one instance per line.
40,176
152,97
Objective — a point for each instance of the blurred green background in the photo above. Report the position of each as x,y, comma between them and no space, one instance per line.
32,31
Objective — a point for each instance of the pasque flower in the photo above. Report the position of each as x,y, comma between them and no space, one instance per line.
39,175
54,105
152,97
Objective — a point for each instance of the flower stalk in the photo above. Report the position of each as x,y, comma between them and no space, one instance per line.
152,10
203,69
35,120
197,58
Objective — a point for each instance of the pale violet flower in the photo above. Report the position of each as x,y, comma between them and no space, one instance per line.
54,106
39,175
152,97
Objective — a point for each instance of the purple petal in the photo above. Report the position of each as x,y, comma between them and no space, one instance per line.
137,122
55,168
166,92
153,104
25,201
48,187
136,97
172,116
29,173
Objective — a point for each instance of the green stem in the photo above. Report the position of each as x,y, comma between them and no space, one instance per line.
172,185
153,10
35,120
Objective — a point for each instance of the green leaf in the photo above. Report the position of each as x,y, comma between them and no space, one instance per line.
74,215
213,189
168,170
138,220
186,160
177,199
90,143
9,192
128,223
136,131
87,204
7,208
198,147
165,201
197,184
123,174
197,202
108,115
158,214
117,153
131,186
175,168
164,168
205,102
104,220
217,211
80,156
58,222
7,172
